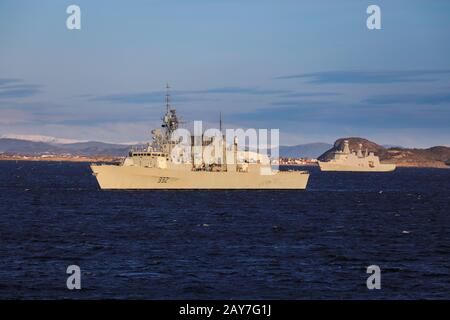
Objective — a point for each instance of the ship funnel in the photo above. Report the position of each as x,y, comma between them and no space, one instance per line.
359,154
346,147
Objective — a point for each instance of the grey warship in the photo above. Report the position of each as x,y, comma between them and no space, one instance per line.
346,160
153,167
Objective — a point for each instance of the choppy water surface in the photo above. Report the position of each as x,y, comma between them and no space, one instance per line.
224,244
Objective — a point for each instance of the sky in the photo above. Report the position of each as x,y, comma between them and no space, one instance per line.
309,68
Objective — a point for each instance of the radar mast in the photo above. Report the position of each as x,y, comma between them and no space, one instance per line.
167,98
170,120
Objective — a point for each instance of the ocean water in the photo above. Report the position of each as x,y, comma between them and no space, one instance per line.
313,244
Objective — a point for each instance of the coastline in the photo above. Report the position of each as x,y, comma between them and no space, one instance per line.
428,164
435,164
61,158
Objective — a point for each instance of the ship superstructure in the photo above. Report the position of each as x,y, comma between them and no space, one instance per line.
346,160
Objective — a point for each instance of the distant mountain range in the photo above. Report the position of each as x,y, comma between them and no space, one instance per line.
90,148
309,150
39,138
431,157
38,145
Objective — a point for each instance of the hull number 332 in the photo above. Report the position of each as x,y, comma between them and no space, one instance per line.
163,179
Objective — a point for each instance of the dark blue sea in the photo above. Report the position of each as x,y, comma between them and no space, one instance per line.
313,244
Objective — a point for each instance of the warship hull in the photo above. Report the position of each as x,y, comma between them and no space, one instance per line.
330,166
114,177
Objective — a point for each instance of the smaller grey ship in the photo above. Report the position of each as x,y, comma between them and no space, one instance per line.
346,160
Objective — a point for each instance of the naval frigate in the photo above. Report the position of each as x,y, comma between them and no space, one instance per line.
153,167
346,160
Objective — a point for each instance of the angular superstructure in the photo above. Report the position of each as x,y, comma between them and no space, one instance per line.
346,160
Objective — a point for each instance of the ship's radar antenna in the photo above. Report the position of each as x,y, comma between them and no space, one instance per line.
167,97
170,120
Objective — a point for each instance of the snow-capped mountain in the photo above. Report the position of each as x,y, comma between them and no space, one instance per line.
40,138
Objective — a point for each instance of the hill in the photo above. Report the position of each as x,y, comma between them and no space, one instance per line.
438,157
95,148
15,146
33,148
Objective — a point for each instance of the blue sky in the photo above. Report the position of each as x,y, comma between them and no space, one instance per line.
310,68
